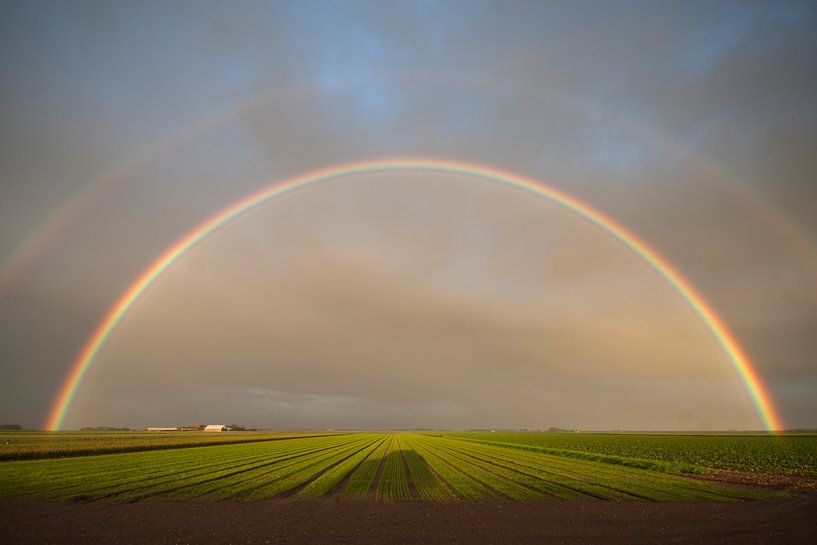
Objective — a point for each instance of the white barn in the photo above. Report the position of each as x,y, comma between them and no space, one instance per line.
216,427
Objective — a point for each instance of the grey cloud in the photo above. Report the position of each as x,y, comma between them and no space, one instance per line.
372,321
693,124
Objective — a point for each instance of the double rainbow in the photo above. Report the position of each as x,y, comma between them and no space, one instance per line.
737,356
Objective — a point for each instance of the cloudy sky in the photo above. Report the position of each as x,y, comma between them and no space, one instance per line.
408,299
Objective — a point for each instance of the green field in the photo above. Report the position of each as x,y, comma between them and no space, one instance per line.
378,466
790,454
31,445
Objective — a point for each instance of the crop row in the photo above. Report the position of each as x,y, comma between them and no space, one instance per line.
31,446
388,467
568,478
360,481
784,454
142,474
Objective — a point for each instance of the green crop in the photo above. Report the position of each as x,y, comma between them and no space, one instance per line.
394,482
787,454
361,480
35,445
388,467
331,478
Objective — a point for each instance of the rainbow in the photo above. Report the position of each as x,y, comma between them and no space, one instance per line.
749,377
56,223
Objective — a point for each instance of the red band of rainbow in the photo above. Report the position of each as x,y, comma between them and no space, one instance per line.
737,356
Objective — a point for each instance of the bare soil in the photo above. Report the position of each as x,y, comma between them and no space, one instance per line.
782,482
331,520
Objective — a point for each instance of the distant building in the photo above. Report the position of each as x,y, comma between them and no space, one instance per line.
217,427
163,429
192,427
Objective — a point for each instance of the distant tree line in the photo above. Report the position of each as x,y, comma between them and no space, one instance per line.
191,427
11,427
104,428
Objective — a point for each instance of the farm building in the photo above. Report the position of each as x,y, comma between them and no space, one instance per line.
162,429
217,427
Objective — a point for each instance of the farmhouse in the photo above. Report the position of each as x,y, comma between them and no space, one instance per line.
216,427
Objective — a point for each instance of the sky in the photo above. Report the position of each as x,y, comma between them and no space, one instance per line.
408,299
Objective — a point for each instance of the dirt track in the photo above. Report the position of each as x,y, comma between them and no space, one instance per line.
332,521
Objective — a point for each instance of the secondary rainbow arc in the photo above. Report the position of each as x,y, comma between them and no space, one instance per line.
736,355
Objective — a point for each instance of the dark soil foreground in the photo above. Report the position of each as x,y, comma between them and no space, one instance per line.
332,521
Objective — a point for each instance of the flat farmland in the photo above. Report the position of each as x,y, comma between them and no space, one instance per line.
792,455
383,467
34,445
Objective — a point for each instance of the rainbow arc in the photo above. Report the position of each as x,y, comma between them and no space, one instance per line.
736,355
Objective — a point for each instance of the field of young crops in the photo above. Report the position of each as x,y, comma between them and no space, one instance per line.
349,467
30,445
792,454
